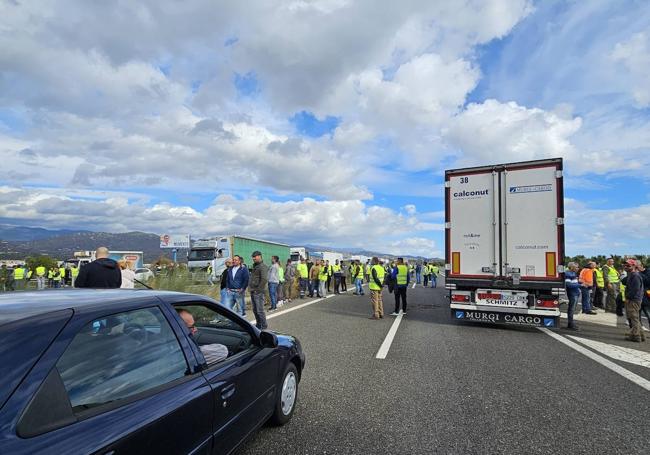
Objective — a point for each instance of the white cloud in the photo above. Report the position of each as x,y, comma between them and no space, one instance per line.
413,246
509,132
634,54
301,221
606,231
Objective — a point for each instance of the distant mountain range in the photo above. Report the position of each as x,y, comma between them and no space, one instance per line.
19,242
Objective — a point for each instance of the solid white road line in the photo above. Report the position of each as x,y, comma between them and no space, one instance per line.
385,346
638,380
413,287
616,352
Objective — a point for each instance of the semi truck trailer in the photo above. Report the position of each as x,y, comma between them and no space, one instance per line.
504,242
214,252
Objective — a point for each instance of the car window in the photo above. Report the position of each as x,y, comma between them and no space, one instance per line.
214,328
140,270
118,356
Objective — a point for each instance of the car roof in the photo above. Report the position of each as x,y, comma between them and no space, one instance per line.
20,305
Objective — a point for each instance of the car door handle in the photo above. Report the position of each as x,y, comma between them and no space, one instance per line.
228,391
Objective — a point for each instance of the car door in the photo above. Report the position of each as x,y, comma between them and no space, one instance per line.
122,385
244,383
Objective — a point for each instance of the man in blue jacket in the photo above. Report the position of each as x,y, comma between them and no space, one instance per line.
236,284
573,292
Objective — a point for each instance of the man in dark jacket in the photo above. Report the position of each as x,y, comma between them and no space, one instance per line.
101,273
236,284
257,284
633,296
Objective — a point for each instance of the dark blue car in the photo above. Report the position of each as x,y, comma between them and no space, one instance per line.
137,371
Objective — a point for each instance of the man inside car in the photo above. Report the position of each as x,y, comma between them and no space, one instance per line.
212,352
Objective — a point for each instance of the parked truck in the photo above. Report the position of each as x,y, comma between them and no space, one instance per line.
327,256
504,235
298,252
83,257
214,252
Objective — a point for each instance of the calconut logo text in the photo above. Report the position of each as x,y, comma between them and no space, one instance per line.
466,193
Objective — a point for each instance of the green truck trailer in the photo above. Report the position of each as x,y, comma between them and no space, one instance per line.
214,252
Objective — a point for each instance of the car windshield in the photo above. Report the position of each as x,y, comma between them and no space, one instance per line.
201,255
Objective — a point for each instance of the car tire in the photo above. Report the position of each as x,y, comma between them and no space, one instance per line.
287,396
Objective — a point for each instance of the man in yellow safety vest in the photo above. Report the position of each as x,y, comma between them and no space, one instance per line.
597,299
401,277
376,285
19,277
40,277
612,284
303,276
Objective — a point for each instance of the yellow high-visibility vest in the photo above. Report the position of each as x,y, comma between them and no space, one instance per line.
40,270
379,270
302,270
402,274
612,275
600,278
19,273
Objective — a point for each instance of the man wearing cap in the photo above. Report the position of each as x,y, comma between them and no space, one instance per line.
633,297
257,285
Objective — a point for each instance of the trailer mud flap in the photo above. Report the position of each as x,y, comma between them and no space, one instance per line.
532,320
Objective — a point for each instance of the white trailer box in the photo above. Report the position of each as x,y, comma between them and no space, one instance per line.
505,242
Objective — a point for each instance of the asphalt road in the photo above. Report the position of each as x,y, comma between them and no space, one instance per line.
450,388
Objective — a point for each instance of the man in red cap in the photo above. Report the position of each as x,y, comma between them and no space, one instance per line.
633,297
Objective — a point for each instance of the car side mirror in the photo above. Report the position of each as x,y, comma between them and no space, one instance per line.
268,339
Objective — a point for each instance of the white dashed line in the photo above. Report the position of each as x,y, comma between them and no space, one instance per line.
635,378
385,346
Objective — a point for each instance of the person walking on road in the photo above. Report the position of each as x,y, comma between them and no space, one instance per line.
612,284
303,277
236,285
586,280
573,292
258,283
633,298
103,272
274,282
401,277
376,285
425,272
330,272
418,273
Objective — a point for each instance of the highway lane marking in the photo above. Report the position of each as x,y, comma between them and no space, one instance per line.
621,353
413,287
638,380
297,307
385,346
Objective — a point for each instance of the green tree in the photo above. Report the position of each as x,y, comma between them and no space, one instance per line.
46,261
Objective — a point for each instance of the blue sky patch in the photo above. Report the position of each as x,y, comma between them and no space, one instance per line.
309,125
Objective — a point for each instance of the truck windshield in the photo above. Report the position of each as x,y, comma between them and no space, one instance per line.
201,255
295,257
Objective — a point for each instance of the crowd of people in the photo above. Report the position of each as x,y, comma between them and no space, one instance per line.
625,291
100,273
15,278
280,284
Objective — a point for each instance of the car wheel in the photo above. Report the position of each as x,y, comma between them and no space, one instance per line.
287,395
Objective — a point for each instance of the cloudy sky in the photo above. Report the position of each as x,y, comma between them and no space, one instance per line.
325,121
